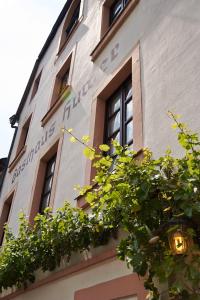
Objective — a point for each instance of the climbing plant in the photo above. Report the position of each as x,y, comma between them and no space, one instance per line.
139,195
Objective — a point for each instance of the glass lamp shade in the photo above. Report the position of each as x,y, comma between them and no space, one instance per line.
179,241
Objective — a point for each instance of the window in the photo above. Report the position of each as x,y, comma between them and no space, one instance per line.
5,216
115,111
114,14
61,89
64,82
46,179
47,186
36,86
116,8
71,22
24,134
128,287
119,116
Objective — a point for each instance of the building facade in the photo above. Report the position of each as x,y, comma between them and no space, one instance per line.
111,70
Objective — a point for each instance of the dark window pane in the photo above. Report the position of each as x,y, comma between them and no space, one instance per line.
126,1
119,115
128,91
129,132
64,81
129,110
115,10
114,124
50,168
114,104
48,180
115,137
48,185
73,20
44,203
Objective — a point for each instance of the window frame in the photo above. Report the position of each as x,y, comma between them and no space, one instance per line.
6,213
36,85
24,134
122,111
65,38
108,31
57,97
54,149
130,66
46,179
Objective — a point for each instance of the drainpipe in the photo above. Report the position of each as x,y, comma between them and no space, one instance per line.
13,120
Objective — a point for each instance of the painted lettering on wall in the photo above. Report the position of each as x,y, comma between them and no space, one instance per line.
31,154
71,103
76,99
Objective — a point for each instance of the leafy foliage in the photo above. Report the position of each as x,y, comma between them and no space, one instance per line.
138,195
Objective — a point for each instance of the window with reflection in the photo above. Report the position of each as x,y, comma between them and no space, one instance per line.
116,8
47,187
119,116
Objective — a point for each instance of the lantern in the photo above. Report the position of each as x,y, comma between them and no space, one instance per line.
179,241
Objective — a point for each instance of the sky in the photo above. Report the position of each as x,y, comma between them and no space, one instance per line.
24,27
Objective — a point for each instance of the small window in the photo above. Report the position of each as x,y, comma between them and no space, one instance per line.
114,14
47,186
71,22
24,135
45,182
116,8
36,85
62,81
119,116
5,216
74,19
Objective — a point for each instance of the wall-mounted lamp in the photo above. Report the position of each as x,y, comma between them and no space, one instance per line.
179,241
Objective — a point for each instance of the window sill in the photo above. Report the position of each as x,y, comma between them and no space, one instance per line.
62,47
17,158
55,106
109,34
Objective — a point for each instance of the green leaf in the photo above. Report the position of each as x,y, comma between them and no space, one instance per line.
104,148
89,153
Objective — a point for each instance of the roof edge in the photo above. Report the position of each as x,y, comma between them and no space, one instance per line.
41,55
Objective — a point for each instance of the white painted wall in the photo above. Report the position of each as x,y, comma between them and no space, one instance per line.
169,36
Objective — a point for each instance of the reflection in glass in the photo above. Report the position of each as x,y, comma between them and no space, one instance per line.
48,185
115,10
114,124
114,104
129,90
129,132
129,110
